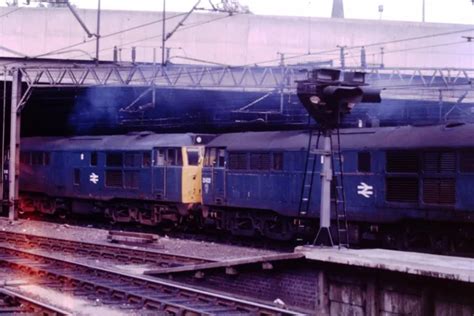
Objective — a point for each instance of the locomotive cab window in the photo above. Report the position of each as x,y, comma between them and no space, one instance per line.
363,162
168,157
174,157
214,157
193,156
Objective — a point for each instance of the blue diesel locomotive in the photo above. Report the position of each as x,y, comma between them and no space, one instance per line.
142,177
406,186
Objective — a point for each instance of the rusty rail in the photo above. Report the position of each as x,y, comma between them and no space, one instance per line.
95,250
135,292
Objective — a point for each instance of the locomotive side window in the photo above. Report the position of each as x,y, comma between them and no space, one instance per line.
132,159
77,176
171,158
160,157
146,159
94,158
363,162
174,157
114,160
221,157
260,161
210,157
214,157
466,161
277,161
238,161
402,161
113,178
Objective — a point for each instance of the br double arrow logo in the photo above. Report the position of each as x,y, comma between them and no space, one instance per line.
365,190
93,178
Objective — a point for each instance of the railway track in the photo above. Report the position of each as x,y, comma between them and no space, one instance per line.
94,250
12,303
126,291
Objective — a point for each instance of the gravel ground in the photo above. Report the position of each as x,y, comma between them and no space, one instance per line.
26,285
198,249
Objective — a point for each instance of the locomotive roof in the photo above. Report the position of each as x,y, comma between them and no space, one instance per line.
131,141
403,137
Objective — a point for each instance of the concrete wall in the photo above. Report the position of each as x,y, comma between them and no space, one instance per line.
236,40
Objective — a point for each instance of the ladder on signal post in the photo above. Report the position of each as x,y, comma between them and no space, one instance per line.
308,178
339,196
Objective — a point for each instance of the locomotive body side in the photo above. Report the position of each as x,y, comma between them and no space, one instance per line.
401,178
145,177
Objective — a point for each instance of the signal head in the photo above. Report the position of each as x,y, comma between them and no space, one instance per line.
327,99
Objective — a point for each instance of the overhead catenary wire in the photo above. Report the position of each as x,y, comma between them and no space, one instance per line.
111,34
68,47
324,52
370,45
160,35
172,76
219,69
257,62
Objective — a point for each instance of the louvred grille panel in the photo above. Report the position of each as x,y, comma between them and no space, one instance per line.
402,189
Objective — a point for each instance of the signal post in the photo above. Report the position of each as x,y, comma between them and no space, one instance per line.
327,99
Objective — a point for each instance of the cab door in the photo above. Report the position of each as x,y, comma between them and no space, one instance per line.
219,177
159,173
213,176
167,173
174,169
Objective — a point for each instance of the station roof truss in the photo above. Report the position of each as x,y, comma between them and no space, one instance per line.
239,78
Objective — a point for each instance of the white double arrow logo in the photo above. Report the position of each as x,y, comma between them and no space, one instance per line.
93,178
365,190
